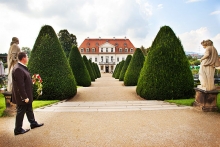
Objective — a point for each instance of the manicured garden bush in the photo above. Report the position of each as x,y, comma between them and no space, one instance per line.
93,70
49,60
79,68
119,69
166,73
89,68
115,71
96,70
124,69
134,68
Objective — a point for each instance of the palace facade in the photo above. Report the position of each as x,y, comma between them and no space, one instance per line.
107,53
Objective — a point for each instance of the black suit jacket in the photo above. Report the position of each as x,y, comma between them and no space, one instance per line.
21,85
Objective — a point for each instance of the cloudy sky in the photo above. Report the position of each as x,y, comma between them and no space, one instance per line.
138,20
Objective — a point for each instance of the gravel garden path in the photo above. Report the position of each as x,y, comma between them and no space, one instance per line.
109,114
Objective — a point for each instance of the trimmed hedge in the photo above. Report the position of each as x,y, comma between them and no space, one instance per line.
93,70
125,67
79,68
121,64
115,71
134,68
49,60
166,73
89,68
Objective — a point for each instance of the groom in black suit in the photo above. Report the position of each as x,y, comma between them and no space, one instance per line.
22,94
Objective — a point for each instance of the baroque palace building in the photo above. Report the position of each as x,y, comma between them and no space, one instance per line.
107,53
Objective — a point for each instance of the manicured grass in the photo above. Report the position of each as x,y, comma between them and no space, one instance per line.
187,102
39,103
36,103
2,104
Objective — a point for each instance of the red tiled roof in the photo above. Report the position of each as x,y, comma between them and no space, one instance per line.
96,42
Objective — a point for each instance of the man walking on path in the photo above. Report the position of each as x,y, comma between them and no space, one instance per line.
22,94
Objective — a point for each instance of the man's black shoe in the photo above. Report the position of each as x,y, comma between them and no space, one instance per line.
21,132
36,125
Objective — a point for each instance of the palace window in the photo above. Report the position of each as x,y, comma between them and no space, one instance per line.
126,50
90,59
111,58
87,50
123,58
101,58
117,59
101,49
111,49
106,49
131,50
95,59
93,50
82,50
120,50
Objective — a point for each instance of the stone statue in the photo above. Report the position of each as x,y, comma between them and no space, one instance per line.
12,59
209,61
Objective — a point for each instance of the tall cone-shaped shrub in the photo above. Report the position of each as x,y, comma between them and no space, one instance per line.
93,70
124,69
166,73
49,60
115,71
79,68
134,68
98,70
89,68
119,69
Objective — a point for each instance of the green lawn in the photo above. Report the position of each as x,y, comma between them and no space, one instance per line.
36,103
189,102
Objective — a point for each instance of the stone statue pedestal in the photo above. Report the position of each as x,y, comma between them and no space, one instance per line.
206,100
10,107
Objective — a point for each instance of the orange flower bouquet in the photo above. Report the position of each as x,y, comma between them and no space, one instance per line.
36,79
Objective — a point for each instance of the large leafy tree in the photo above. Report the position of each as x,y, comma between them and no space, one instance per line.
166,73
27,50
124,68
79,68
48,59
133,71
67,40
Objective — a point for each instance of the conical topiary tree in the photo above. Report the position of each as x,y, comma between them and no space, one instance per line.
49,60
166,73
93,70
119,69
97,68
79,68
89,68
124,69
134,68
115,71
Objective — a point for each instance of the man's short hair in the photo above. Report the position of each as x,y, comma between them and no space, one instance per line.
21,55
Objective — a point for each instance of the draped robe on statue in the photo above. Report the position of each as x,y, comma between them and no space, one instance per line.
209,61
12,59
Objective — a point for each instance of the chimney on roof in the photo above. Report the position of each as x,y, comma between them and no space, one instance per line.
87,37
99,38
125,37
114,38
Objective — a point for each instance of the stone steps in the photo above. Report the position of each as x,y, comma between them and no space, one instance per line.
97,106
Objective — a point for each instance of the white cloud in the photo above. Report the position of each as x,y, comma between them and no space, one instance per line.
215,13
160,6
191,41
84,18
192,1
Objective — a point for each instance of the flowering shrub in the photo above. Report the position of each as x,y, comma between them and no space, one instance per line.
36,79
